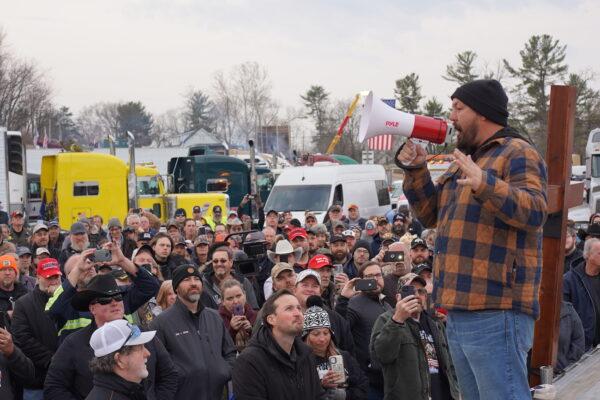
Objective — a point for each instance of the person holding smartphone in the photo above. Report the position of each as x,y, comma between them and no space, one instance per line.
350,383
237,314
411,348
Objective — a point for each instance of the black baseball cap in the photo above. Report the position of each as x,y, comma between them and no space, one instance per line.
337,238
180,212
416,242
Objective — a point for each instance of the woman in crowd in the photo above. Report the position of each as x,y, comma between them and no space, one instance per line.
237,315
165,298
317,334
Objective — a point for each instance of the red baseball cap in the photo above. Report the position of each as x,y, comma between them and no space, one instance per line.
48,267
297,232
319,261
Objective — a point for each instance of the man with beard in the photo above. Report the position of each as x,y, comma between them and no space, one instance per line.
119,363
398,225
6,247
419,252
277,364
19,234
299,239
361,310
383,227
361,253
222,269
79,241
80,271
69,375
33,330
10,288
489,209
312,242
339,251
196,338
573,255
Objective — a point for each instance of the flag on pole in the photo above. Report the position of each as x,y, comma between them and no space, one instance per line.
383,142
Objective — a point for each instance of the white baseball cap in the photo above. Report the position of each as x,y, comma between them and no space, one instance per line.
114,335
306,273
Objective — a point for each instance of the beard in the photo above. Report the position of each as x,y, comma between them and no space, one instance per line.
398,230
465,141
79,247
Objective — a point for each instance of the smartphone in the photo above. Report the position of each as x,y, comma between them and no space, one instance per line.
337,366
101,255
238,309
393,256
407,291
365,285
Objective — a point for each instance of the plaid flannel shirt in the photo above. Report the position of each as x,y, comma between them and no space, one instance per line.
488,251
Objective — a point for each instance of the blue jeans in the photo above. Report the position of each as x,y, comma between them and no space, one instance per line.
489,351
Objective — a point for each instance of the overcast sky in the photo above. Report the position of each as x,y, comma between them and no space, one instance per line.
154,50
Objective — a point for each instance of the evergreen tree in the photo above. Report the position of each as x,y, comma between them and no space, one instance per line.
463,70
198,112
133,117
542,64
408,92
316,101
434,108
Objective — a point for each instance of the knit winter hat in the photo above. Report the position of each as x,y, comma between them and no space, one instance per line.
315,318
486,97
362,244
182,272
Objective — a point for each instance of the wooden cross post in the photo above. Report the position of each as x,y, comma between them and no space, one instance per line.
561,196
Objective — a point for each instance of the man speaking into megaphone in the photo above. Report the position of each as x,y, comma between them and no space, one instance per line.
489,208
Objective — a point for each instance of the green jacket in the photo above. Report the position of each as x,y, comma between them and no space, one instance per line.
399,350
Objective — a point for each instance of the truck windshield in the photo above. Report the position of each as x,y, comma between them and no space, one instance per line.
596,166
299,198
147,185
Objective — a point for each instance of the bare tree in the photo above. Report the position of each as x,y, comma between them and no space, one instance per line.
167,125
99,120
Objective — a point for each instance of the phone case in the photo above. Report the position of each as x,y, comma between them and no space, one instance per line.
337,365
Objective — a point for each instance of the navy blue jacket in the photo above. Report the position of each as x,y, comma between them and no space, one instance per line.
578,293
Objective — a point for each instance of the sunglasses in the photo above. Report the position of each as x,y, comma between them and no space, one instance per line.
107,300
135,332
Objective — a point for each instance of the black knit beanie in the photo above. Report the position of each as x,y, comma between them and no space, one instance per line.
486,97
182,272
362,244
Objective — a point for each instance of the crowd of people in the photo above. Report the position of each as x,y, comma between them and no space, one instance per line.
214,306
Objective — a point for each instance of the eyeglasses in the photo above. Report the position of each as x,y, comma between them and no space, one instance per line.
107,300
220,261
373,276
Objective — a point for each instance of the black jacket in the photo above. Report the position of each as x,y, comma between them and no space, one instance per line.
577,291
202,350
357,384
575,258
113,387
69,375
35,333
167,267
265,371
571,339
361,312
7,298
14,372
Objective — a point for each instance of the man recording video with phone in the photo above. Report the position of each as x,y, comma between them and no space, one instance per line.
401,336
488,209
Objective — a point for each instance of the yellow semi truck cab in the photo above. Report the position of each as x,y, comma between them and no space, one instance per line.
96,184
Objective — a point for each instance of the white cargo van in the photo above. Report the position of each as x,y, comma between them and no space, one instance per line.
316,188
